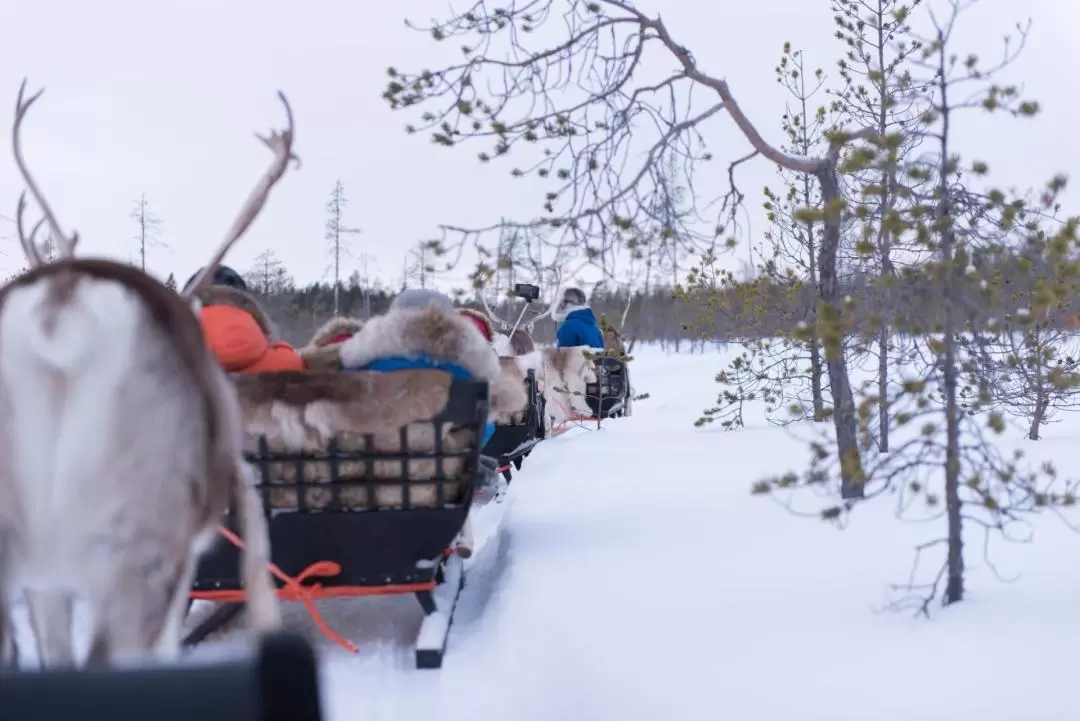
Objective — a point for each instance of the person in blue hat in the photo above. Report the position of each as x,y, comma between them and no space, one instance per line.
577,322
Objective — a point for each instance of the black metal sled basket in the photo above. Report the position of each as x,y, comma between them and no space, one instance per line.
609,397
511,443
376,543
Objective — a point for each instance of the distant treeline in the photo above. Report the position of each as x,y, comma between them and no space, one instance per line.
910,301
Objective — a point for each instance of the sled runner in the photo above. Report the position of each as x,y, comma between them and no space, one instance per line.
513,442
367,479
609,397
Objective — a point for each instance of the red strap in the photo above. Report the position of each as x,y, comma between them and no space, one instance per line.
339,338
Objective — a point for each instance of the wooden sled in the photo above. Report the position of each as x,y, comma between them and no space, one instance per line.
512,442
367,479
610,396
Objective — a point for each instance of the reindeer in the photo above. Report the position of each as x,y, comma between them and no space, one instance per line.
514,346
563,373
613,341
121,448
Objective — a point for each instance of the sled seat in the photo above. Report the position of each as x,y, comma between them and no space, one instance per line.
363,439
372,471
609,395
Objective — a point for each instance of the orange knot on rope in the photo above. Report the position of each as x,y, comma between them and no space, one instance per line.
294,590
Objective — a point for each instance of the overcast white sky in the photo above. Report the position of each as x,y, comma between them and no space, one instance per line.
162,98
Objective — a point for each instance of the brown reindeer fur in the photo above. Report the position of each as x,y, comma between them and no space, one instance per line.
613,343
131,488
325,359
319,354
521,343
513,372
566,372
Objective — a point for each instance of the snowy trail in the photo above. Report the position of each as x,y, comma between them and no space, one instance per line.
629,575
583,586
634,577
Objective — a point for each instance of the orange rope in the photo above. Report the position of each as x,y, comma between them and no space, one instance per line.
571,417
293,591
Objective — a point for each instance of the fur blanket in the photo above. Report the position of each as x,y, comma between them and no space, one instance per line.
365,412
323,352
437,334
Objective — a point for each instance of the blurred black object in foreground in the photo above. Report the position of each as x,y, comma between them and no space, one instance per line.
279,684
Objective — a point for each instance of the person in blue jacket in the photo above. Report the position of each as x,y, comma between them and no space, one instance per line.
422,330
577,322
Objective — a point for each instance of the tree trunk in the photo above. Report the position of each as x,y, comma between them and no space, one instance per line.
845,420
816,368
816,371
954,586
883,388
888,184
1037,417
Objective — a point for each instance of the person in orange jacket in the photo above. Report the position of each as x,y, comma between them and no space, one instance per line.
237,329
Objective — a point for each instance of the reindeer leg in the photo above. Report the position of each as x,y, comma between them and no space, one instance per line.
9,652
51,618
168,643
135,601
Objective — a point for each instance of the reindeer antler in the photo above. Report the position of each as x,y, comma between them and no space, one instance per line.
28,242
626,310
492,314
555,298
65,245
281,143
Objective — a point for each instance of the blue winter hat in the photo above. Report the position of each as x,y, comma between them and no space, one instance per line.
420,299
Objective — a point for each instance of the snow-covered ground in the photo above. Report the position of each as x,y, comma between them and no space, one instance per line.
629,574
